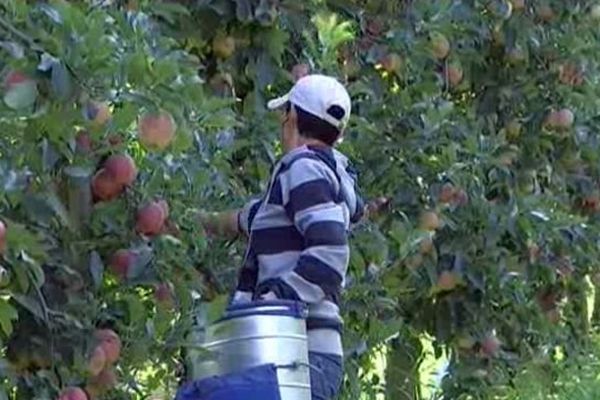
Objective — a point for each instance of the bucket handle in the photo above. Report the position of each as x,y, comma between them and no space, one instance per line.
297,364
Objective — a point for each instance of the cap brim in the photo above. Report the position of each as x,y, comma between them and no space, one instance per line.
278,102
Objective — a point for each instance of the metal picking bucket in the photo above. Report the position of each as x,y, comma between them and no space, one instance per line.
259,333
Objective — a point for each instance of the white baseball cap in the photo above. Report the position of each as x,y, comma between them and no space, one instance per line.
316,94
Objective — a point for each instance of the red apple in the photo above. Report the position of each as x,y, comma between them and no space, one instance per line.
460,198
104,186
430,221
150,219
163,293
440,46
447,193
97,361
122,168
490,345
454,74
447,281
83,142
14,78
545,12
73,393
110,343
300,71
164,206
103,382
98,113
518,4
156,131
565,118
121,261
391,62
426,245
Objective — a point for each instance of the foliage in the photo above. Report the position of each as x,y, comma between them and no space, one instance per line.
481,113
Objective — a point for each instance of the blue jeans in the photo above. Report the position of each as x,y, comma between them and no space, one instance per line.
326,374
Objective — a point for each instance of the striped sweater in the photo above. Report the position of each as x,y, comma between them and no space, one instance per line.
298,238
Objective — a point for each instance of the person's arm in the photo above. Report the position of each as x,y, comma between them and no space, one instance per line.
229,223
308,190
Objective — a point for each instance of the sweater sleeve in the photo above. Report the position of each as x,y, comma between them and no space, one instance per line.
309,190
247,214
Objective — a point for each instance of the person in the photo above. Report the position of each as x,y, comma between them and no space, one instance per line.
298,230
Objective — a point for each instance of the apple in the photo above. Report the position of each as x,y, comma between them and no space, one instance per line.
2,237
97,361
121,261
73,393
164,206
391,62
447,281
430,221
426,245
570,73
516,55
490,345
223,46
102,383
110,343
565,118
518,5
156,131
163,293
414,261
553,315
465,342
460,198
300,71
562,119
14,78
513,130
545,12
150,219
447,193
533,252
83,142
454,74
374,27
104,186
115,140
98,113
440,46
122,168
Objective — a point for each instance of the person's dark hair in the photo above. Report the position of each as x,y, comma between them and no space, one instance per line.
313,127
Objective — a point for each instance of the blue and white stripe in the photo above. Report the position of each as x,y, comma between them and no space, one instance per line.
298,231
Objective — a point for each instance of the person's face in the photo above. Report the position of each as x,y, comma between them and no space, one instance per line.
289,128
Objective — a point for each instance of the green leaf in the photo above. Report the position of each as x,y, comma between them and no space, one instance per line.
275,42
136,310
62,84
137,67
21,95
96,269
7,314
243,10
30,304
124,116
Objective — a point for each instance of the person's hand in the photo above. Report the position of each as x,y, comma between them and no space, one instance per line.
240,297
268,296
219,223
373,207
